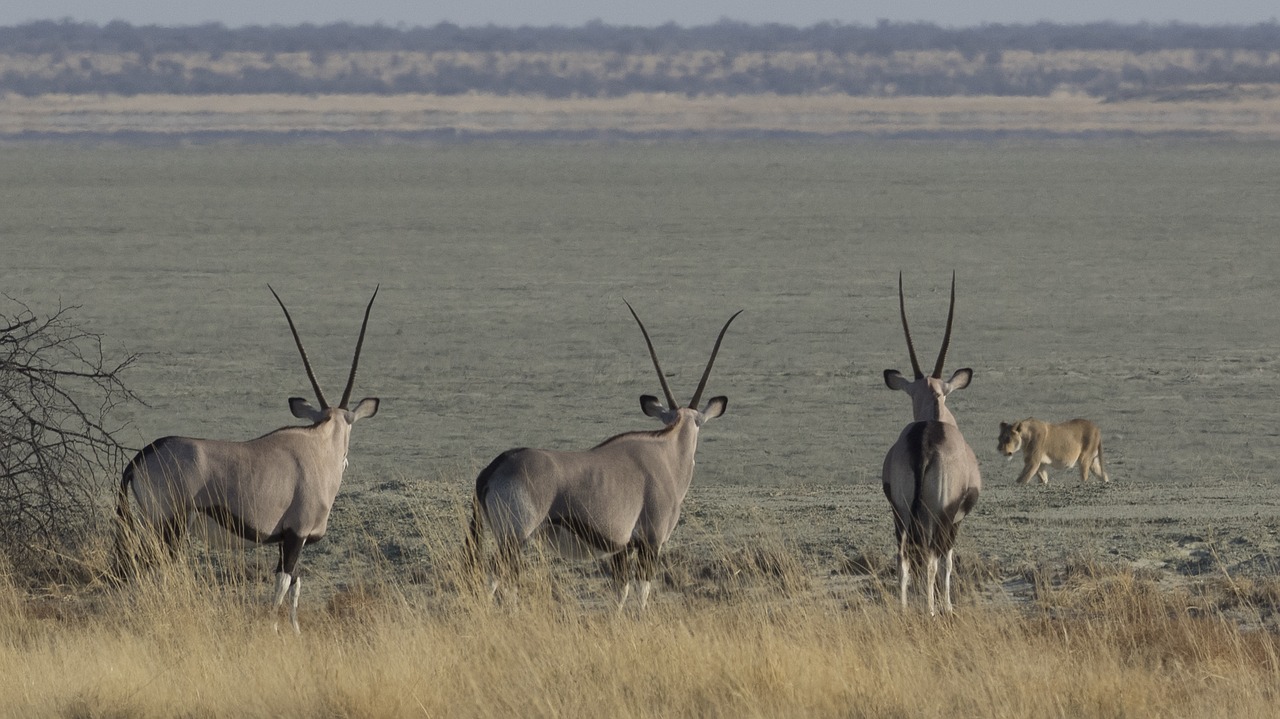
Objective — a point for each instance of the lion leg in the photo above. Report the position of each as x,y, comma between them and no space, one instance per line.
1044,474
1029,469
1097,465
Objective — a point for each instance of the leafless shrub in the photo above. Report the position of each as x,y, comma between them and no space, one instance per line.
57,392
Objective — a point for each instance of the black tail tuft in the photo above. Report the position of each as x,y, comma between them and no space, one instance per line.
126,529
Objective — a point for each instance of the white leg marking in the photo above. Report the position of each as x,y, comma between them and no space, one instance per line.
946,583
644,593
904,576
623,594
294,591
282,586
931,578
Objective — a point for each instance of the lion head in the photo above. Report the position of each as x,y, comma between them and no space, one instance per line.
1011,438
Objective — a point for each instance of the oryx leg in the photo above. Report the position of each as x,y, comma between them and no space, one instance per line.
647,561
904,568
620,569
506,568
172,533
931,579
947,607
287,580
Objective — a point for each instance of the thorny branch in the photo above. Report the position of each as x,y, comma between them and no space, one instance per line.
58,392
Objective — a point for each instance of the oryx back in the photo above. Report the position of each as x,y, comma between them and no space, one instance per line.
278,488
593,502
254,489
622,496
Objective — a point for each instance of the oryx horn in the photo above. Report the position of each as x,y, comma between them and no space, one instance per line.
702,384
946,338
351,380
305,362
911,348
666,388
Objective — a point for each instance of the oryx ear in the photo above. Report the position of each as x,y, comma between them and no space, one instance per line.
302,409
893,379
960,379
715,407
366,407
652,407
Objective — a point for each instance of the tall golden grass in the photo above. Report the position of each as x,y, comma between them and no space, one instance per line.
193,638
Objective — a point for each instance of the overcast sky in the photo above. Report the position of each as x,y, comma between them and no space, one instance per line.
237,13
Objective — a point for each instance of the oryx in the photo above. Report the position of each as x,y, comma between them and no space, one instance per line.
930,474
620,496
277,488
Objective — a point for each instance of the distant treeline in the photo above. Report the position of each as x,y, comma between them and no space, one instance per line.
594,60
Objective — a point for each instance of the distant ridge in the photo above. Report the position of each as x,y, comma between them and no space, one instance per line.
51,36
1102,60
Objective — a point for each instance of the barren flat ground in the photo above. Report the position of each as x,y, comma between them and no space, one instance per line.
1235,113
1133,283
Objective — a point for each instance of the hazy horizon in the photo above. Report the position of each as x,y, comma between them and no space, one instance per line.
239,13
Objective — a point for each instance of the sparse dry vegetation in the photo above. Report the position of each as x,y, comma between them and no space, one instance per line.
744,632
59,392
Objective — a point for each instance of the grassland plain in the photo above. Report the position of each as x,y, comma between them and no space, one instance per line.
1130,282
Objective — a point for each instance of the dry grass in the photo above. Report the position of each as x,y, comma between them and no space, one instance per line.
743,632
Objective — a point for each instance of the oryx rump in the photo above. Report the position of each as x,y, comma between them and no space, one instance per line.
277,488
930,474
621,496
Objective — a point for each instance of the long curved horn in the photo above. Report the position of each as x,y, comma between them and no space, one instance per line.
305,362
946,338
702,384
666,389
351,380
902,307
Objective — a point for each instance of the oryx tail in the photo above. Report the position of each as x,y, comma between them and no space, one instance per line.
126,527
475,535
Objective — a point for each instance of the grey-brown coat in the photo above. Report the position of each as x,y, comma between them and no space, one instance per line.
278,488
930,474
622,496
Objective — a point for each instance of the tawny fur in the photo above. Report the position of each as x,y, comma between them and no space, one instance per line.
1076,442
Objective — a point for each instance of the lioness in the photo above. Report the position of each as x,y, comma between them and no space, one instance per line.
1060,445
